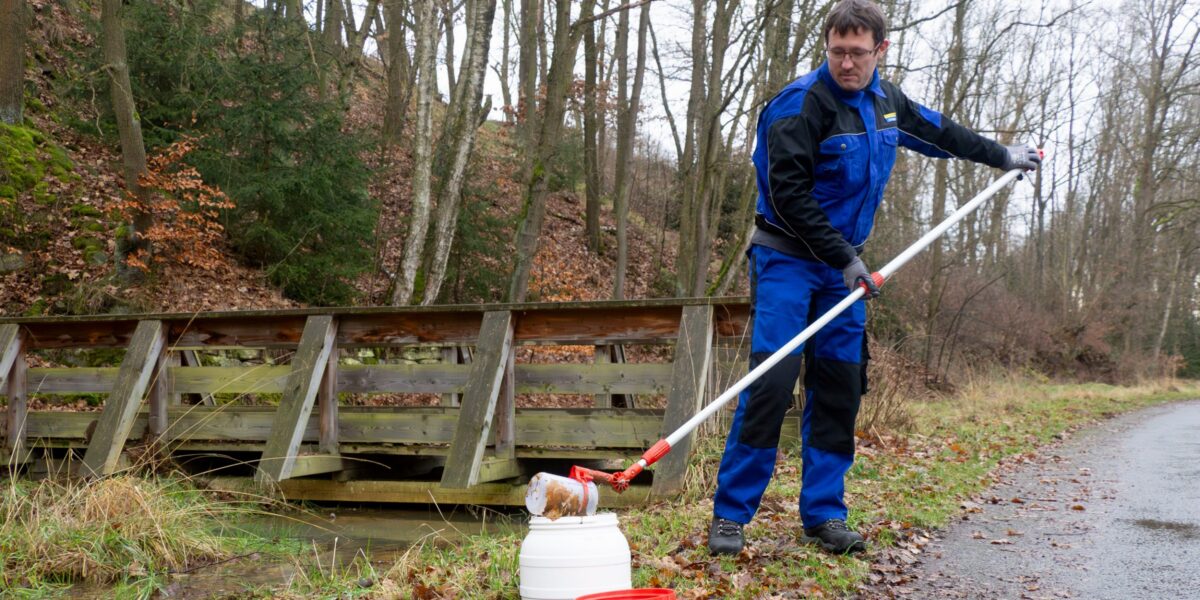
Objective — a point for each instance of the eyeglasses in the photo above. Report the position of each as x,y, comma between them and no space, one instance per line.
858,55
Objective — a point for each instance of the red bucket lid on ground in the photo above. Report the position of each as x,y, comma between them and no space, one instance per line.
638,594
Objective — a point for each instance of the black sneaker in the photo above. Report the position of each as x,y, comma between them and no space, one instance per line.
834,536
725,537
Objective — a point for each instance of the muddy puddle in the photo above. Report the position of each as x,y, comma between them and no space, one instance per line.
337,536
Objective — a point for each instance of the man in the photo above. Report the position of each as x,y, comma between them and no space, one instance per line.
825,148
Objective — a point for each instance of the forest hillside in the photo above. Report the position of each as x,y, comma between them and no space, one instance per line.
211,155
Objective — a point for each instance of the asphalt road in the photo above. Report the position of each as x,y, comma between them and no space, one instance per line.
1112,512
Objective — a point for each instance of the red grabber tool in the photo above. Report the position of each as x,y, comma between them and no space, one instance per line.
620,480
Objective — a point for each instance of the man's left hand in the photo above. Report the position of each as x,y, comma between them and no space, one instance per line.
1023,156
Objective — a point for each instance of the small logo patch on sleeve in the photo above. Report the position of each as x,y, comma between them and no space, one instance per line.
889,117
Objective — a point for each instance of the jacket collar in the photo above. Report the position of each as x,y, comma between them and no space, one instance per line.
832,84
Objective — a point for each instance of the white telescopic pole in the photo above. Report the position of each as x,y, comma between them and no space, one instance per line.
854,296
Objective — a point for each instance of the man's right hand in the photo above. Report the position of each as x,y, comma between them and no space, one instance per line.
856,272
1022,156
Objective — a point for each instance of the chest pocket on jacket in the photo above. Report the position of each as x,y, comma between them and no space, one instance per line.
889,139
842,163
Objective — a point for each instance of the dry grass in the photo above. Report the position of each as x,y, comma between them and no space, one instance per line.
105,530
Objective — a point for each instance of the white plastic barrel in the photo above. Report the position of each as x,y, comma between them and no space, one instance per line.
572,556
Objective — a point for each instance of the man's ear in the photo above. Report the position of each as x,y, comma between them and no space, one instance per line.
883,46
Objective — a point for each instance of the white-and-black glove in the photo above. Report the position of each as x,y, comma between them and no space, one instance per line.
1022,156
857,272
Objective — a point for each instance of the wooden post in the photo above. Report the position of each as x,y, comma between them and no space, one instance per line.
688,379
191,359
309,366
159,392
450,357
464,462
12,384
327,399
601,356
122,404
506,410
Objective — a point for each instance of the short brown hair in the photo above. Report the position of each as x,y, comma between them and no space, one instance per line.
849,16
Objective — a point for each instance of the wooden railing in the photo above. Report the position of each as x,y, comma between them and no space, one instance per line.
479,434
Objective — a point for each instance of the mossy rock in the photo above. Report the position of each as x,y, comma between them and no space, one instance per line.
86,243
26,155
86,210
94,226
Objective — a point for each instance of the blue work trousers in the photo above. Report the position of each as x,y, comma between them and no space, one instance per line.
787,293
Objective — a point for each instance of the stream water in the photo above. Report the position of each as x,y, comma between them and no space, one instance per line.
338,535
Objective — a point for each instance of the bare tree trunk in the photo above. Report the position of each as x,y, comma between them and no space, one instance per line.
591,164
133,149
690,215
626,133
448,28
397,73
941,179
1172,288
427,29
533,206
351,55
457,143
505,71
527,71
13,23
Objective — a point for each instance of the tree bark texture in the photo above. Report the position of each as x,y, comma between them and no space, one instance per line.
533,204
626,133
457,142
414,243
133,149
13,23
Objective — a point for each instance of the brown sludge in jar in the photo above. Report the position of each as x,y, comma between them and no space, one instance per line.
562,502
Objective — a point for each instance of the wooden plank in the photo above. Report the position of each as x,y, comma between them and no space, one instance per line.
506,407
646,378
688,382
13,369
10,349
418,492
450,357
479,401
290,420
327,405
589,323
315,464
555,428
116,420
405,379
77,380
496,468
257,379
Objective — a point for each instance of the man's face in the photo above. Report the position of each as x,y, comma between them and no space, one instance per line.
852,58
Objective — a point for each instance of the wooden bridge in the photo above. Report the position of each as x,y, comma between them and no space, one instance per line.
475,447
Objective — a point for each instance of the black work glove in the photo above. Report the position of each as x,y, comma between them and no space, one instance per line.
855,273
1022,156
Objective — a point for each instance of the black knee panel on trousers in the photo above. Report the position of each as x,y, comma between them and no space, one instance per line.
770,399
836,388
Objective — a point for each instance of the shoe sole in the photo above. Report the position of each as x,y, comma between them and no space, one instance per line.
716,552
859,546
